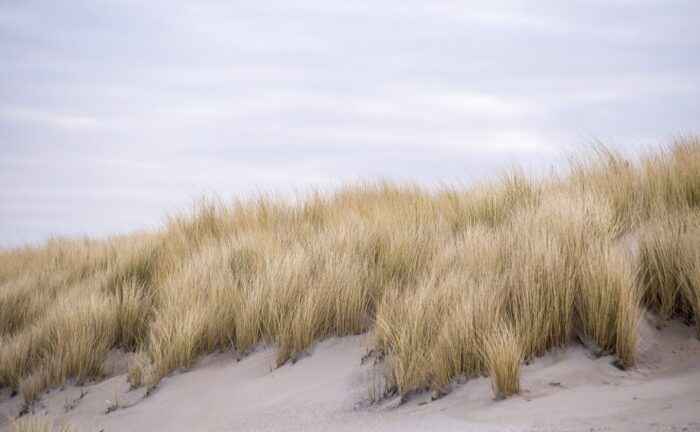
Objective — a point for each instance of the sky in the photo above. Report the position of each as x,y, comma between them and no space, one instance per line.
114,113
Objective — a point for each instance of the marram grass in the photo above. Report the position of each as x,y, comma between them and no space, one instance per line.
455,282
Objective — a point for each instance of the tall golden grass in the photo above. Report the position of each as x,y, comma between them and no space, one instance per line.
35,423
454,282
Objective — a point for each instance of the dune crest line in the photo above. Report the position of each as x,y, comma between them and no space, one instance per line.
455,282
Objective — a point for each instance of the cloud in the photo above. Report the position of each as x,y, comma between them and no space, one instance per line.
47,119
478,104
148,103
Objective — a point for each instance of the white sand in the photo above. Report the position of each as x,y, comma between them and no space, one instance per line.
328,391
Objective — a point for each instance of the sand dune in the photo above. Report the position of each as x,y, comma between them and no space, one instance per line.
328,391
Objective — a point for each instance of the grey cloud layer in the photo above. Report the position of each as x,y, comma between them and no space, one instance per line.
112,112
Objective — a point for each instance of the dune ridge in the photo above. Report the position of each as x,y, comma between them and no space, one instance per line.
454,283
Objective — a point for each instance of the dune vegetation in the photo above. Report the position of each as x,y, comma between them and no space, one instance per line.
33,423
455,282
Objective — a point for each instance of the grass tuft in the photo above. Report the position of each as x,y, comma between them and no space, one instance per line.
503,353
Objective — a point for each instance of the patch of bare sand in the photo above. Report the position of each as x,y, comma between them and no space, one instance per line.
328,391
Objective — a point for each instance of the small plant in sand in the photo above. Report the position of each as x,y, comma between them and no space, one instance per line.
113,403
503,353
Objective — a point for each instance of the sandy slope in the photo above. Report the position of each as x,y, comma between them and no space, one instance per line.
327,391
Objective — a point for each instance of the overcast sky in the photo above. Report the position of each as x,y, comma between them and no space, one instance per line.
114,112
